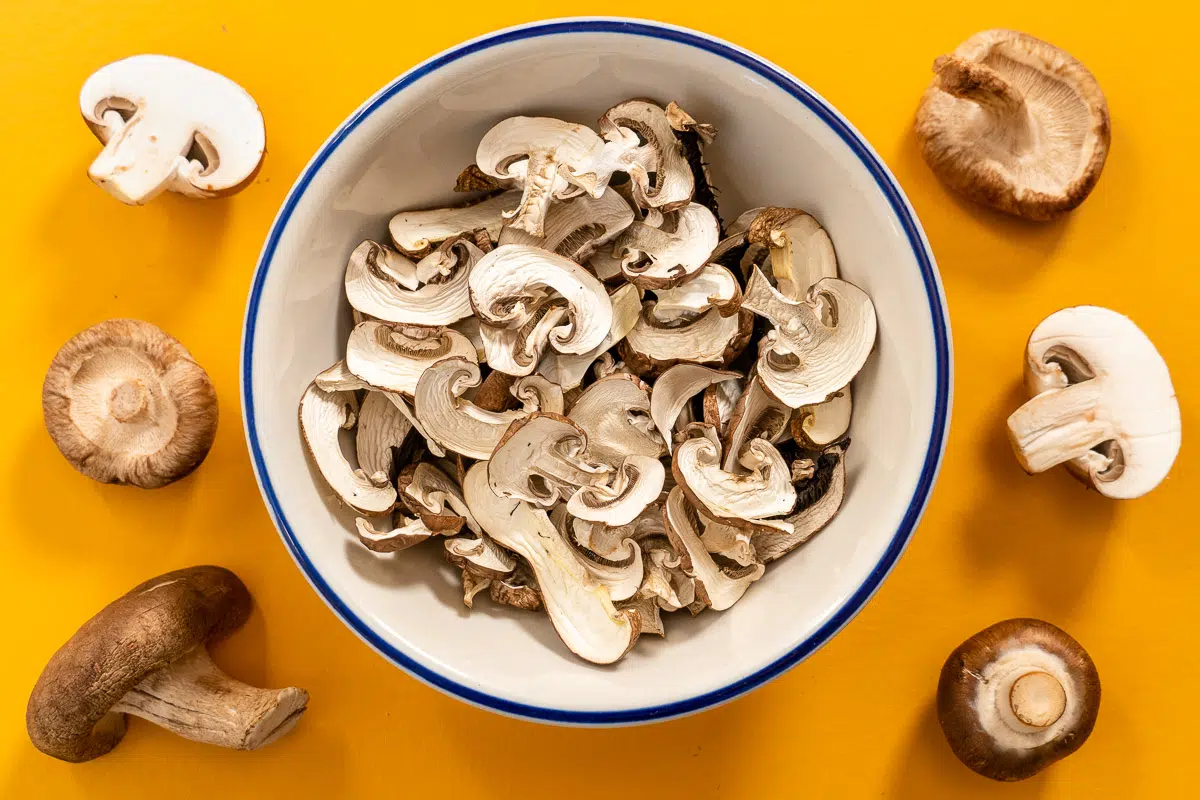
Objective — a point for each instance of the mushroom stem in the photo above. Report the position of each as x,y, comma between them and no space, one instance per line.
1038,699
1060,425
984,86
193,698
127,401
140,159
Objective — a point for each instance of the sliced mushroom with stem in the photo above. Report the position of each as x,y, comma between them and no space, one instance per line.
567,369
1015,123
126,403
540,459
716,587
659,173
417,232
712,287
747,499
651,347
757,415
170,125
1102,403
808,360
322,416
514,290
146,654
667,255
1017,697
577,227
374,287
394,357
676,387
579,606
615,415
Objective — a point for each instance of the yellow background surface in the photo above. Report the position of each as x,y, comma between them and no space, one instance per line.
855,720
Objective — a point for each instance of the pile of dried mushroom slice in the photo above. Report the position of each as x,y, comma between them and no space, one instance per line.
601,400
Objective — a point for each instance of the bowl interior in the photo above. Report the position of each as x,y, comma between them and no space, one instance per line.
403,150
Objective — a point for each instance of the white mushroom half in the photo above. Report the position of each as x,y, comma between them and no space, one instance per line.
453,421
665,256
807,360
513,286
322,416
1103,403
377,286
416,232
393,357
715,586
169,125
579,607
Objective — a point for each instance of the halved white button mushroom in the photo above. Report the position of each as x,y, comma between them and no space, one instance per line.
126,403
167,124
393,357
666,256
452,420
376,287
514,289
579,607
1103,403
808,360
615,414
715,586
322,415
417,232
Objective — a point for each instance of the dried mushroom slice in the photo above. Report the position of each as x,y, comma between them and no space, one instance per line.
418,232
1015,123
660,175
540,459
437,499
729,542
620,572
170,125
614,413
405,533
716,587
677,386
801,251
1102,403
719,402
375,288
339,378
552,158
635,485
381,429
393,357
817,426
651,347
712,287
747,499
660,257
819,497
577,227
126,403
757,415
568,370
453,421
322,416
514,290
807,359
579,607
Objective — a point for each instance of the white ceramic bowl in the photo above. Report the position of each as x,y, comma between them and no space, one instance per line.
779,144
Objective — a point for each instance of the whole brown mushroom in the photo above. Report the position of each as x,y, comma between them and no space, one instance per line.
126,403
1015,123
145,654
1016,697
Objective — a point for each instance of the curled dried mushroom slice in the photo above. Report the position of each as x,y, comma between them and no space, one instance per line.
819,498
667,255
418,232
614,413
762,489
393,357
651,347
716,587
322,416
453,421
375,289
540,459
659,173
576,228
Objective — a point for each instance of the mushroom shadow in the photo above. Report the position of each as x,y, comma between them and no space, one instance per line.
1046,531
1015,250
929,769
158,253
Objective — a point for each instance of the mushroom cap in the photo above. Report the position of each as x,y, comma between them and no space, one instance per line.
1015,123
192,105
126,403
1016,697
148,628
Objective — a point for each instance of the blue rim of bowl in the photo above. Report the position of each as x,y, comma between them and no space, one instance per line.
912,229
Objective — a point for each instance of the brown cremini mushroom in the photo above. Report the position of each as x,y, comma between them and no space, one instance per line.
1016,697
1015,123
126,403
144,654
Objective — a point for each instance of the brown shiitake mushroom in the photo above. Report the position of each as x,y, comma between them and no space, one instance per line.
1016,697
1015,123
126,403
